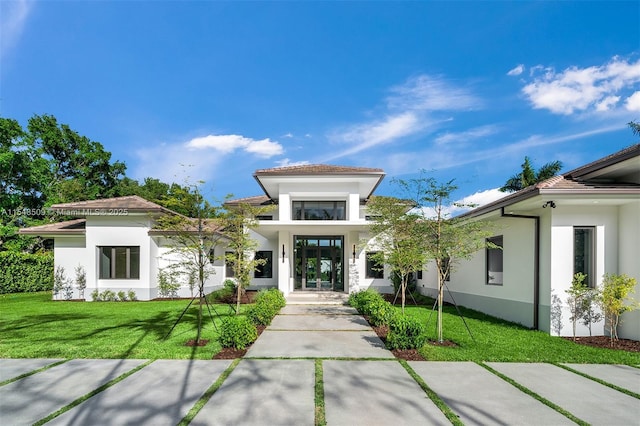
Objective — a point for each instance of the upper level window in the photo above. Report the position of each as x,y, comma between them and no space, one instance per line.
494,261
584,248
119,262
319,210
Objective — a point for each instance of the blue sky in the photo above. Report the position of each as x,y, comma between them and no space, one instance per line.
463,90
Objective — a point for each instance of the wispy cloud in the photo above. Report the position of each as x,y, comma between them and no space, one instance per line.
596,88
411,109
467,203
468,135
516,71
13,20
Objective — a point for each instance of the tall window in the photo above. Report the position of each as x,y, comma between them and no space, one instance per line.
494,260
266,270
228,265
119,262
319,210
584,250
375,269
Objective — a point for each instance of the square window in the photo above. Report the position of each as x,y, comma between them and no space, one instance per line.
119,262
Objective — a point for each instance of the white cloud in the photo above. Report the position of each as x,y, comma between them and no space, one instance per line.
286,162
633,102
576,89
13,20
288,135
516,71
229,143
477,199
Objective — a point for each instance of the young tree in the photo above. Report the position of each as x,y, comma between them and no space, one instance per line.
236,222
194,241
448,240
399,238
81,280
576,293
529,176
614,300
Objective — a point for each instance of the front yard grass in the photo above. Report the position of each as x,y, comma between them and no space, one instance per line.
34,326
498,340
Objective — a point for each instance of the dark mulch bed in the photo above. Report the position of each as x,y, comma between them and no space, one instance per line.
406,354
232,353
605,342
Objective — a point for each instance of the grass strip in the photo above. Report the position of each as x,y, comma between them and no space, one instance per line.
92,393
602,382
535,395
449,414
208,394
30,373
320,419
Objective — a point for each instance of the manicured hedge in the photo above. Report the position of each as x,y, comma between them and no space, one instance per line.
23,272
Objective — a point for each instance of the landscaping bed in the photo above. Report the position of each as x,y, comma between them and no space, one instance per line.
606,343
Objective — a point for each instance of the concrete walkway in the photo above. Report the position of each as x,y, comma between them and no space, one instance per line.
364,386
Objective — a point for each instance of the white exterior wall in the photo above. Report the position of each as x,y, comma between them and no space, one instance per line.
130,230
605,221
629,263
70,252
514,299
165,254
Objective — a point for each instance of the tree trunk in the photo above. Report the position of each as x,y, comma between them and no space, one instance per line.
440,301
404,289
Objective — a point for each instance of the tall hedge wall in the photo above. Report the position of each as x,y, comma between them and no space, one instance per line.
23,272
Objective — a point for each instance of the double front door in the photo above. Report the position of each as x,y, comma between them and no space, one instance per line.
318,263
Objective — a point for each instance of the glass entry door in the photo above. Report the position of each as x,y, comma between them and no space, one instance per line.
318,263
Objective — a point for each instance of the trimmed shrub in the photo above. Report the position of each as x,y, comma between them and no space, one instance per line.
380,313
361,299
23,272
267,304
406,332
237,332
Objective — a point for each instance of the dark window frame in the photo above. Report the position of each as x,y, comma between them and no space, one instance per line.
266,270
494,258
112,254
374,269
302,209
585,262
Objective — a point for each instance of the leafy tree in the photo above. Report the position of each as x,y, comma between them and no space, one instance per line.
529,176
236,221
399,238
448,240
635,127
614,299
44,164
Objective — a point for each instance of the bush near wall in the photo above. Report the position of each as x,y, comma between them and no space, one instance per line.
24,272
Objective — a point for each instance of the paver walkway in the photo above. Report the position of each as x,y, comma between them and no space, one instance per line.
365,386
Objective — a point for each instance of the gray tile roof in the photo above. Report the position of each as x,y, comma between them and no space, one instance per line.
69,227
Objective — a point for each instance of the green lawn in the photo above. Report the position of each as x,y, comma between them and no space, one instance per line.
34,326
498,340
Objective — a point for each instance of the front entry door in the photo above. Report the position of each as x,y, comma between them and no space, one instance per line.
319,263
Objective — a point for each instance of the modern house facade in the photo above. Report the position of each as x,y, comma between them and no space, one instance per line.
586,220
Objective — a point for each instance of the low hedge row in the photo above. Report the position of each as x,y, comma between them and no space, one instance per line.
239,331
405,332
24,272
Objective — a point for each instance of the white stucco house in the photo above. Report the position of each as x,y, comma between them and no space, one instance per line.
584,220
